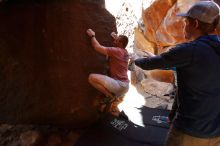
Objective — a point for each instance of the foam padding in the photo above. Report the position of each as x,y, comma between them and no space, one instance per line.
118,131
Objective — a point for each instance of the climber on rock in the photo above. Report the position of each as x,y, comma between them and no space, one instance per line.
117,83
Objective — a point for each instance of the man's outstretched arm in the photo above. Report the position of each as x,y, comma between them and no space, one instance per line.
96,45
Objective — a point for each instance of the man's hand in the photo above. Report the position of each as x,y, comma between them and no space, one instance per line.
148,53
98,47
133,56
114,35
131,64
90,32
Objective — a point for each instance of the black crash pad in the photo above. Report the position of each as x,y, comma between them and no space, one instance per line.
120,131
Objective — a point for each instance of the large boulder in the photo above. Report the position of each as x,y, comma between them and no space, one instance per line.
141,43
162,26
170,32
45,60
154,15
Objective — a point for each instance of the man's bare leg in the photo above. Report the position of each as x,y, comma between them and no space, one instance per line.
98,81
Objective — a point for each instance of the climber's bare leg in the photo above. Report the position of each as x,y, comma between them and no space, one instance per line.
98,81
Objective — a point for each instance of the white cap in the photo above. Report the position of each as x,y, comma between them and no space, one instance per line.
204,11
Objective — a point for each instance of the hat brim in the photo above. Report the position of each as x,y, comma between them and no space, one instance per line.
182,14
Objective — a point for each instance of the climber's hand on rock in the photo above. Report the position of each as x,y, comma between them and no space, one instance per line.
90,32
114,35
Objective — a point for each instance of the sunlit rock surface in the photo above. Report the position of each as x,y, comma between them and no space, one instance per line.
154,15
141,43
162,26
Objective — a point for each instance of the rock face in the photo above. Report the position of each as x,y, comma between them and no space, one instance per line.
154,16
162,26
170,32
141,43
45,60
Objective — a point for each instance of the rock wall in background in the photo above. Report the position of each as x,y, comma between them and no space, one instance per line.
45,60
162,26
170,31
154,15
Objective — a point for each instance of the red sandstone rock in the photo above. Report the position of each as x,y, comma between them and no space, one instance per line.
170,31
162,75
30,138
154,15
54,140
71,139
141,43
45,59
162,26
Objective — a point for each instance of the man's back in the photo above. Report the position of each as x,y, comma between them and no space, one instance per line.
199,89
